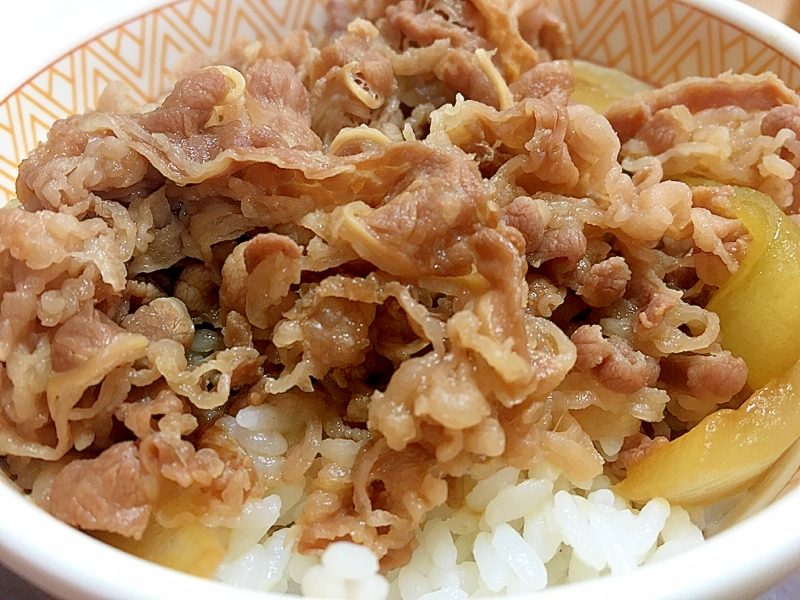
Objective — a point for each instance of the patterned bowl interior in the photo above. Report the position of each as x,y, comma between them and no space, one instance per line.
659,41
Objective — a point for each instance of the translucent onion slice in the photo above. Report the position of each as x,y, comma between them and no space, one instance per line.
599,87
759,305
191,548
725,453
763,493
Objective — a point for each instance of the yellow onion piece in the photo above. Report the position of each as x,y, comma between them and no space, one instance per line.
766,490
759,305
599,87
725,453
191,548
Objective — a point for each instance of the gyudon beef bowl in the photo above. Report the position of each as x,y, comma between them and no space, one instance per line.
405,300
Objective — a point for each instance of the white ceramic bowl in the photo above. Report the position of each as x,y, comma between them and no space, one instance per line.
51,70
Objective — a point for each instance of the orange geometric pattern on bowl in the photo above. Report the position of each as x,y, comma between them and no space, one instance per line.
659,41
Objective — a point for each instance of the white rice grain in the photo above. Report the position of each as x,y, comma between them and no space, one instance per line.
349,560
649,523
249,571
448,593
516,501
438,541
486,489
571,514
299,564
318,582
279,550
374,587
542,533
516,533
558,566
679,534
517,554
470,576
252,524
347,571
494,572
413,584
579,570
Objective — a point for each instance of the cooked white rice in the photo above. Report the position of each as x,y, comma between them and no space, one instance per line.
517,532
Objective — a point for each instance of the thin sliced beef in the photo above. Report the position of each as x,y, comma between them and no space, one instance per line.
107,493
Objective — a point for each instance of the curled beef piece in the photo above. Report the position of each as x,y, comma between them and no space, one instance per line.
198,288
635,449
786,116
544,296
750,92
273,266
163,318
281,101
613,362
462,73
81,156
543,29
423,230
554,78
257,277
139,416
719,375
83,337
392,492
424,27
350,80
605,283
651,295
108,493
188,107
523,214
662,132
566,242
65,172
162,474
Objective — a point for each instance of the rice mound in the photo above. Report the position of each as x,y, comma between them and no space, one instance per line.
516,532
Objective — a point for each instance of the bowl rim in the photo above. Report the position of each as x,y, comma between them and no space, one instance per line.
94,570
750,20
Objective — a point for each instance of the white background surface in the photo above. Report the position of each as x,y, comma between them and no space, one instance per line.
26,21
